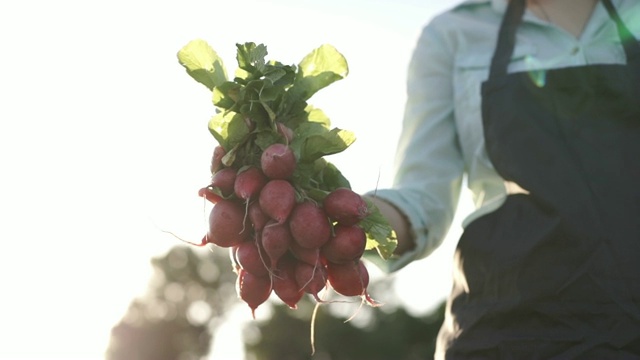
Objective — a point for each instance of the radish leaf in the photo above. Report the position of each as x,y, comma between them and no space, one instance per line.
326,143
380,235
202,63
226,95
228,128
319,69
251,57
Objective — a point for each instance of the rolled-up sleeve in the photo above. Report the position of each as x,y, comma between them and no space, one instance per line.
428,166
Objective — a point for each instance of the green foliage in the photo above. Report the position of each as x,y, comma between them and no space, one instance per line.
203,63
319,69
379,236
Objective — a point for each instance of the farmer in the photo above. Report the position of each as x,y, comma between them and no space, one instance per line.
534,105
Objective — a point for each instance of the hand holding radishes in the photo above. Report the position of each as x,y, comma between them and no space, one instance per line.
288,216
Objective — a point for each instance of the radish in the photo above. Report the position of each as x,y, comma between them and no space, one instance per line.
345,206
310,256
277,205
277,199
275,239
284,282
216,160
257,217
347,244
311,279
252,258
349,279
278,161
249,182
227,225
206,193
254,290
309,225
224,179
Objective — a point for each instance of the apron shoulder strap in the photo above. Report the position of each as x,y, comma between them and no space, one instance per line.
631,45
506,38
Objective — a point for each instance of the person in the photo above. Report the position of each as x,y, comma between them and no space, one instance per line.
535,106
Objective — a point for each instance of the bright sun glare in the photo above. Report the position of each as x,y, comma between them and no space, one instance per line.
105,144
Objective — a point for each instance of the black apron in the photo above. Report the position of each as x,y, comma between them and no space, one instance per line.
555,273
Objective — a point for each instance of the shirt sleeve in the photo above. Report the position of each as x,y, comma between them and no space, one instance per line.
428,165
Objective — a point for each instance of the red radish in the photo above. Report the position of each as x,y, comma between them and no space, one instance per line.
309,225
284,282
254,290
349,279
257,217
347,244
249,182
278,161
277,199
224,179
345,206
252,258
285,131
206,193
227,225
311,279
216,160
310,256
275,239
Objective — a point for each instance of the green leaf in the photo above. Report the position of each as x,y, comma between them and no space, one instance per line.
319,69
241,76
270,93
267,108
226,95
230,157
332,178
317,195
274,70
312,140
266,137
380,235
202,63
275,73
318,116
228,128
251,57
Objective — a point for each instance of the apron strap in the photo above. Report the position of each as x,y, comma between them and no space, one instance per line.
630,43
507,38
512,19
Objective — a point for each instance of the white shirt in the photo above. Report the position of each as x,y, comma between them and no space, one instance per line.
442,139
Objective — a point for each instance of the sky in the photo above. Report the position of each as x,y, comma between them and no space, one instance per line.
104,144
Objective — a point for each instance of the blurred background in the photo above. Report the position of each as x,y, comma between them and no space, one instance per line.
104,144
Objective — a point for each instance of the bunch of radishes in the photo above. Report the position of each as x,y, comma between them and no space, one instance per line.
282,241
289,217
